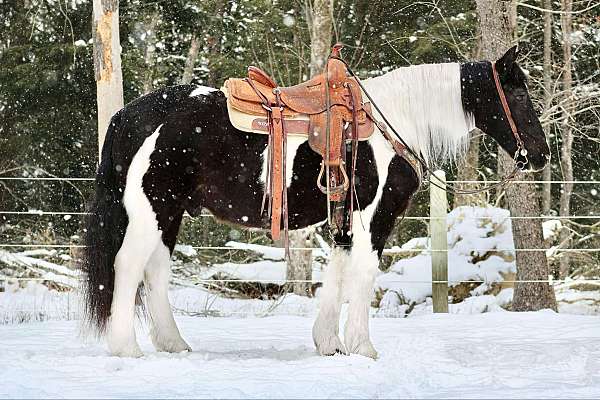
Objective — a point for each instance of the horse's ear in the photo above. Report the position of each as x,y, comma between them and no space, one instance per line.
506,63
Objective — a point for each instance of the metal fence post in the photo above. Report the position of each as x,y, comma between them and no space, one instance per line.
439,242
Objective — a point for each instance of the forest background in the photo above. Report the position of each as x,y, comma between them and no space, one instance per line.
48,123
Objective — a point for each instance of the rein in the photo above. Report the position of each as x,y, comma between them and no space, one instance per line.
519,165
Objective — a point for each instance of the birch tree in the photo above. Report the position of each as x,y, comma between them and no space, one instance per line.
321,26
497,25
190,61
566,161
468,168
107,63
150,27
213,42
547,66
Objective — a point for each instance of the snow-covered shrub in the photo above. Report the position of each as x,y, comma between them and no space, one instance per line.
480,257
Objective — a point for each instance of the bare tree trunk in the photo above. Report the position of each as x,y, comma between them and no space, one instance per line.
547,188
107,63
190,61
496,18
149,51
547,173
467,170
214,46
320,35
566,161
299,267
504,39
300,263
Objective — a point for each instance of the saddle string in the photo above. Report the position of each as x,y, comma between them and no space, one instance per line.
268,180
335,217
286,237
519,165
327,144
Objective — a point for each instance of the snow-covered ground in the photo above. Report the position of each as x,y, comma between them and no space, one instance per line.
492,355
263,347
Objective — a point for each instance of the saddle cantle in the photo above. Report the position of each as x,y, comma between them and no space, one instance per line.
328,109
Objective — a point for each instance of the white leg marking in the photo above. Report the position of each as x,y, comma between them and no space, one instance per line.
359,277
163,329
358,287
293,142
141,238
326,327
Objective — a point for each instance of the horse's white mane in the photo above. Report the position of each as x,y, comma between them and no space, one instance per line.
423,103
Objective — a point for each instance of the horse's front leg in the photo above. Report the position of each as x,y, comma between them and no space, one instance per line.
326,328
358,281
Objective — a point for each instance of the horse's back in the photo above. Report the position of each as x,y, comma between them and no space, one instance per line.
141,117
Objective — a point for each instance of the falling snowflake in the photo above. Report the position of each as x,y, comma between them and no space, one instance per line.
289,20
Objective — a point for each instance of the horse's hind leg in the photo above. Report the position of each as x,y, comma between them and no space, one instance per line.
163,329
141,238
130,261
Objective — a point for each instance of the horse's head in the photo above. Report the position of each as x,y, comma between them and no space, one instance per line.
482,98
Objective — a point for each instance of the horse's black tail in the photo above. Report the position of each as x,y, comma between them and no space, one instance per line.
103,236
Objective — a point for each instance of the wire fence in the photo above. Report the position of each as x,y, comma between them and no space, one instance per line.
550,280
386,251
418,218
84,179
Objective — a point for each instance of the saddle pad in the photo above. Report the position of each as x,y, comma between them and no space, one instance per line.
294,125
297,126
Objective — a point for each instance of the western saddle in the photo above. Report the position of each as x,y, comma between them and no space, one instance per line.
328,109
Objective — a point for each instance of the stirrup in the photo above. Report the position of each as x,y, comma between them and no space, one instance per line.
335,190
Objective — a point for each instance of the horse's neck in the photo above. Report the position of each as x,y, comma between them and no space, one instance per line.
423,103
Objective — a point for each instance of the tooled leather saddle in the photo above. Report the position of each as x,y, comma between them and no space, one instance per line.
328,110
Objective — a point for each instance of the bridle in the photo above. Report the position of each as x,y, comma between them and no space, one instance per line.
521,150
519,166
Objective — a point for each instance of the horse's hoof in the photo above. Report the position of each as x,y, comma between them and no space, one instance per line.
329,346
120,346
173,346
363,347
127,351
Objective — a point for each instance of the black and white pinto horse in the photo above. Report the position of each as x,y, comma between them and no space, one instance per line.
175,150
